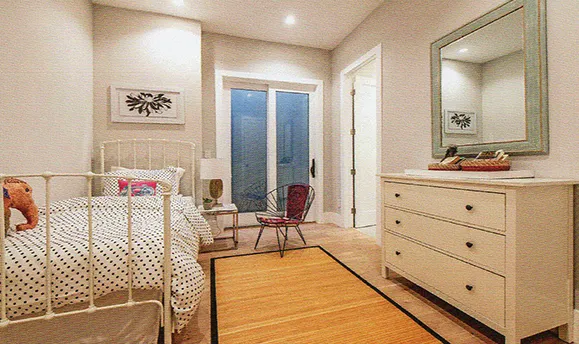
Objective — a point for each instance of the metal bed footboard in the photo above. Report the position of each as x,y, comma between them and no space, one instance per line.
165,307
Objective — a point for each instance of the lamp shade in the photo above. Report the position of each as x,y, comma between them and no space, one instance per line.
212,169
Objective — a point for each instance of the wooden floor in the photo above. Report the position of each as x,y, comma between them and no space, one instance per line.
361,254
264,299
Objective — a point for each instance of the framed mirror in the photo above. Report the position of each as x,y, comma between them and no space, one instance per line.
489,83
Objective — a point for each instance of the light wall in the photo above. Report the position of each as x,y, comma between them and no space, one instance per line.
146,49
494,90
461,86
504,98
46,89
406,28
236,54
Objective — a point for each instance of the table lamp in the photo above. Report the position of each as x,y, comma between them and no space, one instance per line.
212,170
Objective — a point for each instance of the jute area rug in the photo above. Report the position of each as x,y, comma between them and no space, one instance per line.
308,296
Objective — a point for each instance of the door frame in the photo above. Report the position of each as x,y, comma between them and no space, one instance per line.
345,137
274,83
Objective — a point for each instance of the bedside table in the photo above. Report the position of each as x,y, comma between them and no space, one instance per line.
225,209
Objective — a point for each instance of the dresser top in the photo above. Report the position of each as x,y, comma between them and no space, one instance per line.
522,182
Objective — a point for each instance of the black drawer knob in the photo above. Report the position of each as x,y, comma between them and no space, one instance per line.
469,207
469,244
396,195
468,287
397,222
397,253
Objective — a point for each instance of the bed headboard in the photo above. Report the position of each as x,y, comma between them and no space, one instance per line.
152,154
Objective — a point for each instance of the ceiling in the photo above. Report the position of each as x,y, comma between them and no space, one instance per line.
318,23
499,38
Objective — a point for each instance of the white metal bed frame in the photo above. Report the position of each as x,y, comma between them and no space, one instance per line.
165,306
131,159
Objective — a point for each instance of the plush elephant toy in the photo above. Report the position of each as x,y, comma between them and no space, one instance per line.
18,195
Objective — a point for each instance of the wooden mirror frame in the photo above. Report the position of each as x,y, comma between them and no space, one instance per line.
536,100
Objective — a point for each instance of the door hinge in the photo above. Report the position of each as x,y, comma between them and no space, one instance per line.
353,171
352,132
353,211
353,92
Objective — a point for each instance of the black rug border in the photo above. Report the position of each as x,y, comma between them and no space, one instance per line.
214,330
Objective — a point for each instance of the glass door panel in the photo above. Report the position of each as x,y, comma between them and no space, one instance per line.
292,137
248,149
270,146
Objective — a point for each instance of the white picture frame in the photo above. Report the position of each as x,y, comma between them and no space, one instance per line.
460,122
144,104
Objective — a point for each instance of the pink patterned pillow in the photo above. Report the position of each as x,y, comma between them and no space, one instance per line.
138,188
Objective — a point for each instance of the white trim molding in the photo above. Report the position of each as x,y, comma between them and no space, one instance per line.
345,146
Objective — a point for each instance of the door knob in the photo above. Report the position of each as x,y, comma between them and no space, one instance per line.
313,168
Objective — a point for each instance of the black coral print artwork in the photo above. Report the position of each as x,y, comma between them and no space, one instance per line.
461,120
148,103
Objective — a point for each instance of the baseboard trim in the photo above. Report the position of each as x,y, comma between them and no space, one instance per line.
334,218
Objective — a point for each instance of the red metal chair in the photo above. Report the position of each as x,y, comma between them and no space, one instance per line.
287,207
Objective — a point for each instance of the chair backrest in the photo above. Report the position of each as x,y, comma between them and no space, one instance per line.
294,200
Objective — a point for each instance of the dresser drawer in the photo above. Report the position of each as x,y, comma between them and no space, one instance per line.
474,207
479,290
480,247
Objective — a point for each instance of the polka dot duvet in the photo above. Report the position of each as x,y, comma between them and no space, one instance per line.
25,252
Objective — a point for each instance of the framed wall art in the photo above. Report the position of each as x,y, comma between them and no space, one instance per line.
459,122
136,104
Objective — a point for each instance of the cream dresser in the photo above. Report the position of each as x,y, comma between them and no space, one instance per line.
501,251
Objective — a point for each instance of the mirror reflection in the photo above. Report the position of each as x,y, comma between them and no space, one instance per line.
483,84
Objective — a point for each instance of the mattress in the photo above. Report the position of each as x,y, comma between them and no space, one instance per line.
26,262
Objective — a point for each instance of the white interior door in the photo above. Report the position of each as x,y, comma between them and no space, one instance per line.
365,151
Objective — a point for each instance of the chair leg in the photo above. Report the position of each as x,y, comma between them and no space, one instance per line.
258,236
285,240
284,234
277,230
301,235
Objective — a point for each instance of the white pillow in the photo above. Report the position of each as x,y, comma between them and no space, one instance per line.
170,174
179,174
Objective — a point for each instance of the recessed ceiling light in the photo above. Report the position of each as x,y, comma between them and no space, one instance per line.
463,50
290,20
179,2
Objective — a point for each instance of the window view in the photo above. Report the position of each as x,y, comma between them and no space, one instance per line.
292,137
248,149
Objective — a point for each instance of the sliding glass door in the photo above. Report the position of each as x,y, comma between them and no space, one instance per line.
292,137
248,149
270,145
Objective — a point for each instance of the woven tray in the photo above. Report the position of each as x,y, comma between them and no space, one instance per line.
444,167
485,165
